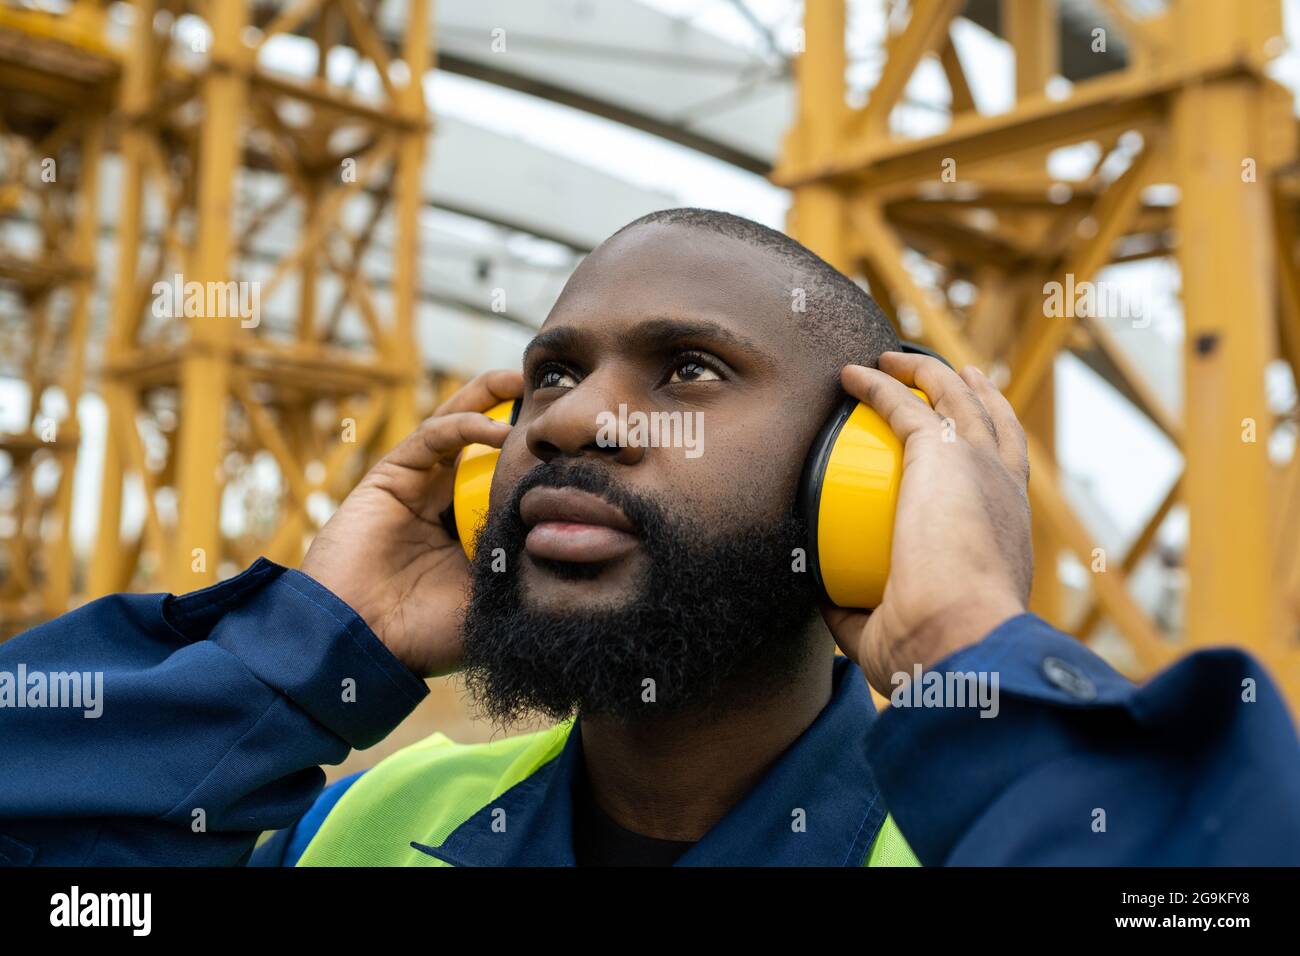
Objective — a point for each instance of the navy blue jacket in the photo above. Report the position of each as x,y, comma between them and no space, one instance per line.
220,706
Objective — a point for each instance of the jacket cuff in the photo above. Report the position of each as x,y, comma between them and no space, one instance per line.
941,758
299,638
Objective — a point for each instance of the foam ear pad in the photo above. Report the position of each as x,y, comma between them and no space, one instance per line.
848,494
472,484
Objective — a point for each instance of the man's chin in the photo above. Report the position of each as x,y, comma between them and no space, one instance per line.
550,587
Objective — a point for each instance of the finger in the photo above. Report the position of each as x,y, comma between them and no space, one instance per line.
969,376
951,396
1012,444
483,391
846,626
440,438
892,400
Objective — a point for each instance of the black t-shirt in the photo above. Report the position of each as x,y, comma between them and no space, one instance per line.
599,841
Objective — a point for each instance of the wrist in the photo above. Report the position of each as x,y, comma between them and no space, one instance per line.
957,625
337,584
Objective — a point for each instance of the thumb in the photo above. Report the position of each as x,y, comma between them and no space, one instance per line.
849,628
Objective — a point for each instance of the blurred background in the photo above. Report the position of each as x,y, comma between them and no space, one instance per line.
1093,200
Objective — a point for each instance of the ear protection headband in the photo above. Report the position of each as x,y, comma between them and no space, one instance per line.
848,493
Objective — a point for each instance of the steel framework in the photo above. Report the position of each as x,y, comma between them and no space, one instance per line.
977,204
57,78
200,401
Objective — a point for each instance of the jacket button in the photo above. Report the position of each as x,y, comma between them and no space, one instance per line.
1068,678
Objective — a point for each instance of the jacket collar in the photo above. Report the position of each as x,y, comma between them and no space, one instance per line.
818,805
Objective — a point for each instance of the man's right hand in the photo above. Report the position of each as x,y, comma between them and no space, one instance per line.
385,551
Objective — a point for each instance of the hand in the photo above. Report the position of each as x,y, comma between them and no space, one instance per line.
386,553
961,561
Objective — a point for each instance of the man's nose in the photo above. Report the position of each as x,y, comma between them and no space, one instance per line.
584,422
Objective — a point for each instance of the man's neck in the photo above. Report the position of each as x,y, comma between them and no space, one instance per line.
673,779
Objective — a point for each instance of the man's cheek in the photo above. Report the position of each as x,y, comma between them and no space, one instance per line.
740,493
505,478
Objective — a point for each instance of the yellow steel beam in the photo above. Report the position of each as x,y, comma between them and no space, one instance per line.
326,210
990,325
1112,212
54,75
881,246
1098,108
1286,556
1148,399
1226,258
817,212
1146,37
216,359
60,571
1110,586
1031,27
356,289
1047,597
308,274
369,45
1284,236
1228,468
1091,616
925,33
109,567
416,54
205,371
290,17
963,100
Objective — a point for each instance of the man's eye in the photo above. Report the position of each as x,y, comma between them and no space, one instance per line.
552,377
693,370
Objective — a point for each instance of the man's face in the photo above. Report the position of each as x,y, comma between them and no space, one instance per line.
620,563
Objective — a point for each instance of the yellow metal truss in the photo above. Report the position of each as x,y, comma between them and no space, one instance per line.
56,81
1210,122
196,400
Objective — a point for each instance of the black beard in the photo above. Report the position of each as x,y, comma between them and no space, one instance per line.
717,621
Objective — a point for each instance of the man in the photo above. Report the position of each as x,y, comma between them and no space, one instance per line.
659,598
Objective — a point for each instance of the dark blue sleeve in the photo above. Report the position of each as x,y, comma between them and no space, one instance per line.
1198,766
216,710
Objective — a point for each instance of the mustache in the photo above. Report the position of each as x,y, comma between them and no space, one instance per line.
643,512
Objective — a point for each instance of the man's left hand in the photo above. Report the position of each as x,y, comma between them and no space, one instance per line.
961,561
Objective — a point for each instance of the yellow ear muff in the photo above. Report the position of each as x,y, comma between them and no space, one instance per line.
472,484
849,493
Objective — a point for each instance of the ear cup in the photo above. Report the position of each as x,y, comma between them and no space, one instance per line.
472,484
849,493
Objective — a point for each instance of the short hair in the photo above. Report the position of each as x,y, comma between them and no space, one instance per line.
841,317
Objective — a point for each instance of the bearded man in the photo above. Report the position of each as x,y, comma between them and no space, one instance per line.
653,606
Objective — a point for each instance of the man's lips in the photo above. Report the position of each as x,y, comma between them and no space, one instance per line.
571,525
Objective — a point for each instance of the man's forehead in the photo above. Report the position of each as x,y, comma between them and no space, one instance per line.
688,274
